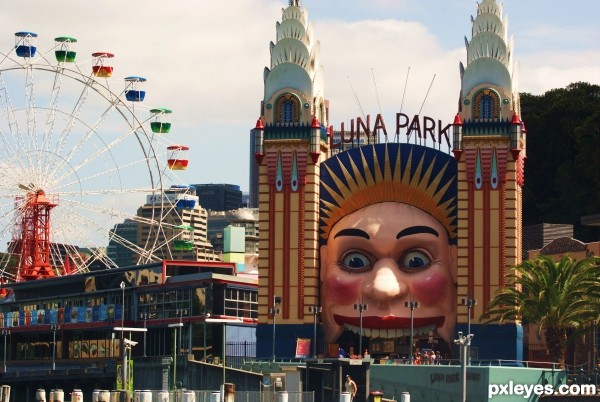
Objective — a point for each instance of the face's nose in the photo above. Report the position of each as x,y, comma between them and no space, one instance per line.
386,286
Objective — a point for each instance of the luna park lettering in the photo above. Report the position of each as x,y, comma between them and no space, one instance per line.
423,127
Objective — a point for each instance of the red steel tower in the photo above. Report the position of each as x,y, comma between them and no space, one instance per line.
31,238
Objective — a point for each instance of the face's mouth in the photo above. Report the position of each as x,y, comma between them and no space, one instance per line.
390,327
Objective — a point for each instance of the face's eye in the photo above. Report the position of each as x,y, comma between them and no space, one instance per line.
415,260
355,262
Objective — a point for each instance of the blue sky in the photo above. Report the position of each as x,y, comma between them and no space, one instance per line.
205,59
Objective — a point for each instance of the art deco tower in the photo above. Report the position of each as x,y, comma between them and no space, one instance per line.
489,144
290,141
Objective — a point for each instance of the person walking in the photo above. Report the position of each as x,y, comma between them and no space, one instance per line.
351,387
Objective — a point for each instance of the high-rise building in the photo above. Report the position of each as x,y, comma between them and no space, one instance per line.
243,217
183,233
117,251
219,197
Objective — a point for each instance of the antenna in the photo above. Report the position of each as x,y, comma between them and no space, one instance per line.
356,98
397,139
426,95
378,100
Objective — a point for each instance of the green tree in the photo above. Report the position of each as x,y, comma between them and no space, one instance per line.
563,138
560,296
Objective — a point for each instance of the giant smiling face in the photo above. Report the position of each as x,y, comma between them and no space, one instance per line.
384,255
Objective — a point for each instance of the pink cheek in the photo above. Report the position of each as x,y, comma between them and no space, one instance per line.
431,290
340,291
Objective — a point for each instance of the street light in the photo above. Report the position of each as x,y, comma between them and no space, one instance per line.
54,328
274,312
224,321
314,310
127,345
175,326
465,344
412,305
144,316
360,307
470,303
123,354
5,332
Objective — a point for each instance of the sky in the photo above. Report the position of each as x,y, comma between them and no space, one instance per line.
205,59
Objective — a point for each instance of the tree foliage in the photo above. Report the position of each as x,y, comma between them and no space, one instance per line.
562,169
557,295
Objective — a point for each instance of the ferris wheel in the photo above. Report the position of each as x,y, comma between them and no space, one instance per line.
79,155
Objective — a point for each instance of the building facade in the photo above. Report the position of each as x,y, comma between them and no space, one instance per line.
292,141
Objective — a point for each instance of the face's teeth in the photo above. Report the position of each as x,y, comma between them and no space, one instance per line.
390,333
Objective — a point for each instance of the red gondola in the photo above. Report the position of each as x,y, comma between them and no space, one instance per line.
100,69
178,157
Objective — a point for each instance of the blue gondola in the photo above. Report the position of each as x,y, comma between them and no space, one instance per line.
25,44
135,94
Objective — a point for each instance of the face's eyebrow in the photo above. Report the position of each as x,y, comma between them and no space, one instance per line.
352,232
417,230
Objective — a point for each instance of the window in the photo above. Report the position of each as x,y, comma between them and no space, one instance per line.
287,109
486,105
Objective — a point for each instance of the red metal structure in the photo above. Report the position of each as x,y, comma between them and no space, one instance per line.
31,239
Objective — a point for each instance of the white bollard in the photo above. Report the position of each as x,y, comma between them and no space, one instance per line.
95,395
215,396
163,396
405,397
145,396
103,396
114,396
57,395
282,397
345,397
76,396
40,395
189,396
5,393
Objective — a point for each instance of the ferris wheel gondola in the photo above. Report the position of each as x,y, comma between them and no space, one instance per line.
178,159
64,50
161,122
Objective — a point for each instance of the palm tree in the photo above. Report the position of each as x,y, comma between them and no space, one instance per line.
558,295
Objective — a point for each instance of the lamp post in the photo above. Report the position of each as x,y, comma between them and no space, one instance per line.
54,328
314,310
360,307
175,326
464,342
224,321
144,316
274,312
123,353
5,332
412,305
470,303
